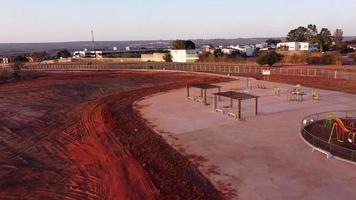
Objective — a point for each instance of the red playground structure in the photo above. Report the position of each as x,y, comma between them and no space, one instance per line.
343,133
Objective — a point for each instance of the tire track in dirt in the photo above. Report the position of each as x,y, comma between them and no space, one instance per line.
76,136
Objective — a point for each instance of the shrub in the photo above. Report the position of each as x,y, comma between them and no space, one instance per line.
270,58
167,57
352,55
325,59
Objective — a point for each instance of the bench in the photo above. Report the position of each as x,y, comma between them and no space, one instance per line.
328,154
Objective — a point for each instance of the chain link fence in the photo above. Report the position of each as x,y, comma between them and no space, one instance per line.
196,67
334,149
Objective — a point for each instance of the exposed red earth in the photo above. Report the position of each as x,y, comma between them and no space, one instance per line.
77,136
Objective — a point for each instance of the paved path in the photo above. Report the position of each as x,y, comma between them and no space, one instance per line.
260,157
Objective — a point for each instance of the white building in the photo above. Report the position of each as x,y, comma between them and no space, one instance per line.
185,56
227,51
155,57
5,60
87,54
298,46
249,51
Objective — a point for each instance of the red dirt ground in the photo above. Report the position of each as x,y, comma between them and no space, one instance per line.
77,136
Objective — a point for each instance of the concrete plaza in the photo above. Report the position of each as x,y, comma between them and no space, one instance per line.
261,157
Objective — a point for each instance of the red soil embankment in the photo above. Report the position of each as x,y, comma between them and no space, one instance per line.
76,136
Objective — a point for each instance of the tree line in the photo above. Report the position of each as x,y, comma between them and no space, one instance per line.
323,38
40,56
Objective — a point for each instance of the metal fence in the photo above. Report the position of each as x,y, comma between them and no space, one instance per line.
197,67
334,149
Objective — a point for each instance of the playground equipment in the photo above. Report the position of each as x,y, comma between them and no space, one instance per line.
277,91
296,94
261,86
342,131
315,95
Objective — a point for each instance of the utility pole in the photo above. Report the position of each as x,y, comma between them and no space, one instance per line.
93,42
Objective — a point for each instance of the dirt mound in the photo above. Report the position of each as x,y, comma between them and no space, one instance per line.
76,136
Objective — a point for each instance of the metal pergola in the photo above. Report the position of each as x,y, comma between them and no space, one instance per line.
203,89
235,96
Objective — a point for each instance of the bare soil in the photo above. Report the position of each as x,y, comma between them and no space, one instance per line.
77,136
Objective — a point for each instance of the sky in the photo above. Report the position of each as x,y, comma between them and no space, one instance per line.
115,20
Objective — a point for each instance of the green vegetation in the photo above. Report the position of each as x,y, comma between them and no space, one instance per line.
20,59
64,53
273,41
269,58
338,38
167,57
183,45
333,58
39,56
310,34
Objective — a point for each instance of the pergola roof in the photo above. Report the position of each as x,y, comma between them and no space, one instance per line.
204,86
236,95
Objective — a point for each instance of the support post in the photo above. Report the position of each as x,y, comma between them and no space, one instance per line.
231,103
256,106
239,109
188,92
204,97
215,103
219,90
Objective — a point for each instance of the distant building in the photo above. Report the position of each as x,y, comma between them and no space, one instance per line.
247,50
352,46
262,45
87,54
207,48
185,56
155,57
298,46
227,51
5,60
114,53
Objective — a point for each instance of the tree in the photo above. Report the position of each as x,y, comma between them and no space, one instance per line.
303,34
39,56
338,38
20,59
183,45
273,41
312,33
299,34
218,53
269,58
64,53
167,57
324,39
